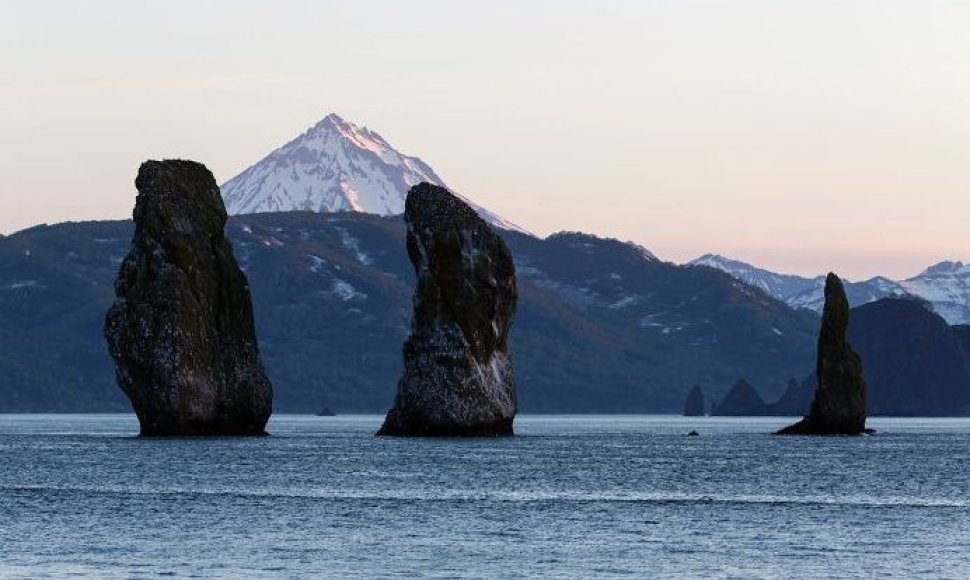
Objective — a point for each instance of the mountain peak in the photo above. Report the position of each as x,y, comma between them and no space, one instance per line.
357,136
335,121
335,165
719,262
946,268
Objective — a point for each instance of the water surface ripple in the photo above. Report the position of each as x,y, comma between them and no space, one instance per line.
571,496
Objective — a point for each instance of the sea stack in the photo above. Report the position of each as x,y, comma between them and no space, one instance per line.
458,378
741,400
839,406
181,329
695,405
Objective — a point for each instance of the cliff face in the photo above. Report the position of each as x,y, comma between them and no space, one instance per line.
181,328
458,377
839,406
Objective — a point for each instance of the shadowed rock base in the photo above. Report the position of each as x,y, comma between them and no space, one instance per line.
395,428
808,427
839,406
458,378
183,430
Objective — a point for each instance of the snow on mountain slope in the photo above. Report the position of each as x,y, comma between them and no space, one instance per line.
781,286
946,286
334,166
858,293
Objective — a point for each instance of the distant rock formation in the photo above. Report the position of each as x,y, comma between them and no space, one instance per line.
839,406
915,364
181,328
695,406
741,401
458,377
796,398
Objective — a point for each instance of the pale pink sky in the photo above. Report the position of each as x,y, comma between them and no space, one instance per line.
804,136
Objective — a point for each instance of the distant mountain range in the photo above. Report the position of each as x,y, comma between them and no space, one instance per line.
602,325
946,286
337,165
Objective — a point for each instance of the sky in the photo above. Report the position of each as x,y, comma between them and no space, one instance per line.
802,136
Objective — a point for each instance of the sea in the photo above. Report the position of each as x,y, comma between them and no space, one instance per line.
567,497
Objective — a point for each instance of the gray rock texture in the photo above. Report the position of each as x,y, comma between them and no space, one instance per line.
839,406
458,378
181,328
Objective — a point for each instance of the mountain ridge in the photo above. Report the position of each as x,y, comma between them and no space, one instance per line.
601,326
945,285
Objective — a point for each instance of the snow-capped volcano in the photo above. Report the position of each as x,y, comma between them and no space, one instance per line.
945,285
334,166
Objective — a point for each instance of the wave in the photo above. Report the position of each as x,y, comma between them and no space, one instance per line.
659,498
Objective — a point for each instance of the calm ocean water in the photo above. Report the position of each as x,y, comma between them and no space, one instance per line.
587,496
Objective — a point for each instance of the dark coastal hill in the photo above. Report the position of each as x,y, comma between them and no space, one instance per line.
602,326
962,332
915,364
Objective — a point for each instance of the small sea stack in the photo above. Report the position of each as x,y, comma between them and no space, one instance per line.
181,329
694,405
839,406
458,378
741,400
